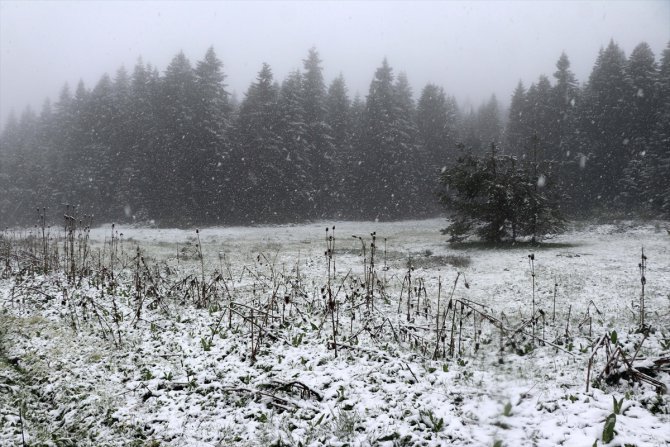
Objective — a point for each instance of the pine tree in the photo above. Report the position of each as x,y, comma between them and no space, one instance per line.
259,151
604,122
180,163
353,178
498,199
488,123
388,149
9,145
541,121
145,144
212,110
376,145
565,103
212,126
517,132
416,184
124,171
339,119
99,170
337,112
42,167
62,126
25,178
642,104
471,136
321,151
70,179
656,175
435,129
294,163
565,98
437,123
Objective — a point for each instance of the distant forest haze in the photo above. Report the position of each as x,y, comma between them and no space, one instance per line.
175,148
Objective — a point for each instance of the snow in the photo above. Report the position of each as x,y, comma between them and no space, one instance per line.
166,382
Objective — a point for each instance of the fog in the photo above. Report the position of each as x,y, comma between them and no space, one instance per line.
472,49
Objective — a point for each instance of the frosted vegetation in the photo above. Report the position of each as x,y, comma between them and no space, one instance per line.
319,334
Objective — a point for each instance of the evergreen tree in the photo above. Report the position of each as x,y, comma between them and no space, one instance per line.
9,195
497,198
388,149
339,119
25,181
145,144
642,74
70,177
294,165
124,171
565,100
470,132
661,145
337,112
433,125
517,132
541,121
212,125
353,181
42,166
488,123
376,145
321,151
212,109
565,141
416,184
259,150
644,183
99,168
63,124
437,131
642,103
604,122
179,165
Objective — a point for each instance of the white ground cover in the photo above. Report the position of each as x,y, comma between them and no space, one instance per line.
79,365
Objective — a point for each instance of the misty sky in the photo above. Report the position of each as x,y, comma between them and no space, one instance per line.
472,49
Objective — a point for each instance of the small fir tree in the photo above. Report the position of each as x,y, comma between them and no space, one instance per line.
499,199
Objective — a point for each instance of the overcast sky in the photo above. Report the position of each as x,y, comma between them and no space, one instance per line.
472,49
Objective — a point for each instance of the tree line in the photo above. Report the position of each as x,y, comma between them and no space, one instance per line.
178,149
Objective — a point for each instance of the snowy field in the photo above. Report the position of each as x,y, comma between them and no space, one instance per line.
255,337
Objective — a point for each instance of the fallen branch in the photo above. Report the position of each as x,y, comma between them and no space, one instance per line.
616,360
289,386
277,401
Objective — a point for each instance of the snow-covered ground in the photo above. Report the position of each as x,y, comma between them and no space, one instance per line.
134,360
